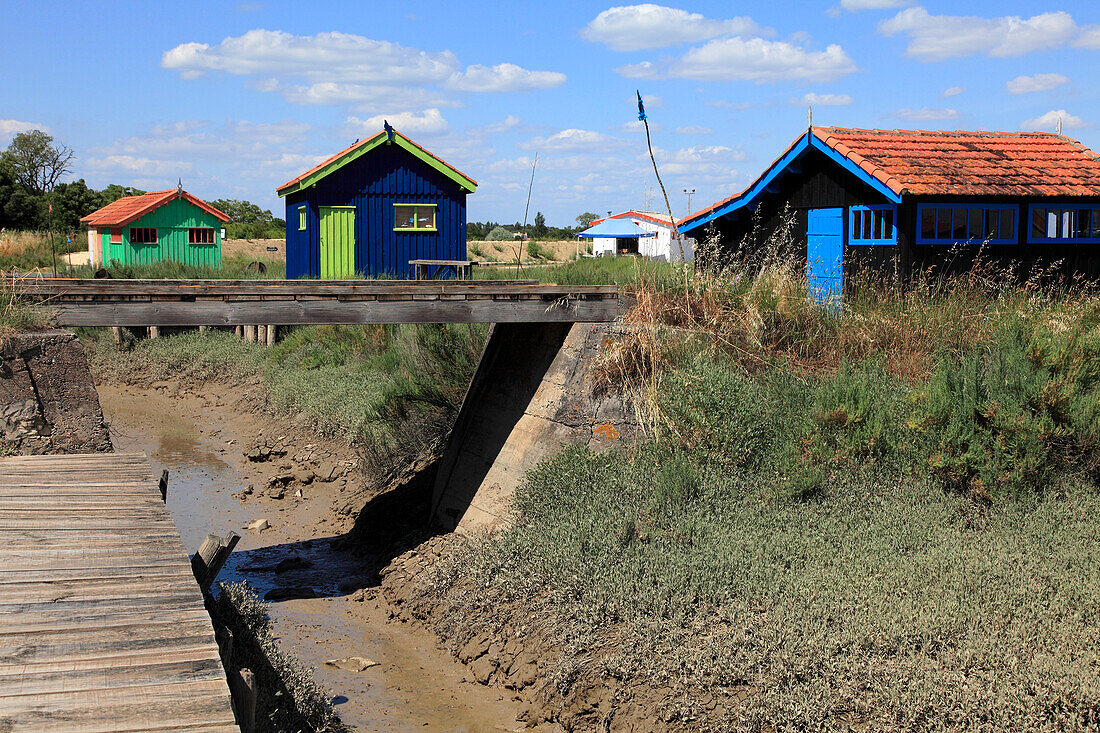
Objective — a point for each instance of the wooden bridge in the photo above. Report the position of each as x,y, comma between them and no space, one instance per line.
104,626
86,302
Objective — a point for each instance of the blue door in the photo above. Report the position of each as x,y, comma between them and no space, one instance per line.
824,253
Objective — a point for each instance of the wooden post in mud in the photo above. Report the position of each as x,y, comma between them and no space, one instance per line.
271,334
211,556
163,485
154,332
117,331
202,329
239,331
250,334
243,692
261,334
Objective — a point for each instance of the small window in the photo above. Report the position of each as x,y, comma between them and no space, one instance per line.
414,218
200,235
1065,223
143,235
301,218
116,236
961,224
872,225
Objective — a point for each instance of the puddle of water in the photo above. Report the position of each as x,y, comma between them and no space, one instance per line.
417,685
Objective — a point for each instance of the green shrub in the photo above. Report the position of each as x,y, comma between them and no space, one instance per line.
498,234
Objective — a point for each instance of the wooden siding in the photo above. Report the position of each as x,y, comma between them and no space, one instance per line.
172,221
373,184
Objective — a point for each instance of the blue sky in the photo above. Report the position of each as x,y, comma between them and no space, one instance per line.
235,98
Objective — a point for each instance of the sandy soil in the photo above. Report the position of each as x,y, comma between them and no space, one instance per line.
506,251
201,439
257,249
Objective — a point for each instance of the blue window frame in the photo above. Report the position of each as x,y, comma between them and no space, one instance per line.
872,225
967,224
1064,223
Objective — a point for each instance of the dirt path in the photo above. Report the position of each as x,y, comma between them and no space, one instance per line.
200,439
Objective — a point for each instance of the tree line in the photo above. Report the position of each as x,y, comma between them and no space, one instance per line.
481,230
33,198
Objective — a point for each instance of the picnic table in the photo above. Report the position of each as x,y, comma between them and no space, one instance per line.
438,269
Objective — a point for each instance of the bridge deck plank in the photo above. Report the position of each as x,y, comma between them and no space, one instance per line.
105,628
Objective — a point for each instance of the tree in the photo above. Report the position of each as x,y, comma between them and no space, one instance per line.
36,163
540,224
114,192
247,220
586,219
72,201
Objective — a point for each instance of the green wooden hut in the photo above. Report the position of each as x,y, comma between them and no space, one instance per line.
154,227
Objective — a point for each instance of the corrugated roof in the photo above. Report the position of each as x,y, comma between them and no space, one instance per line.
370,141
932,162
131,208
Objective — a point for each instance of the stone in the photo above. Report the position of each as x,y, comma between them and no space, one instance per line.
327,471
351,664
276,492
304,476
293,563
258,525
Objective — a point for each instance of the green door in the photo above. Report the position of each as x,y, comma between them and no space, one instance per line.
337,242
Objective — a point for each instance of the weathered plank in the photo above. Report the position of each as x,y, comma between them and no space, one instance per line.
105,628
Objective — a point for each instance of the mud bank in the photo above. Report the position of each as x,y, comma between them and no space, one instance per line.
328,606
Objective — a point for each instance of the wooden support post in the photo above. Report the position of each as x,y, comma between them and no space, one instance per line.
212,554
163,483
154,332
261,334
202,329
238,331
224,637
117,331
250,334
243,692
271,334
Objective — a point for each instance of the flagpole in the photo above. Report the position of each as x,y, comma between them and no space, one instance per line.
649,143
49,233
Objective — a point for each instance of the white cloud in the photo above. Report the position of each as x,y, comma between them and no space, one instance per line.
637,27
755,59
503,78
939,37
1049,121
507,123
636,126
430,121
1089,38
855,5
827,100
925,114
1036,83
694,130
346,69
128,164
651,101
953,92
571,140
11,128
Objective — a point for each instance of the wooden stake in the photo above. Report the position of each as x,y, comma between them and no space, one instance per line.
250,334
154,332
242,687
239,332
271,335
117,331
212,554
163,483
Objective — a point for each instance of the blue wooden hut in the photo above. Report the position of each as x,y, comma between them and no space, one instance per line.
373,207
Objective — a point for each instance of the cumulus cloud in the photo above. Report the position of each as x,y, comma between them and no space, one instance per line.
1036,83
507,123
638,27
571,140
110,164
428,122
503,78
343,69
939,37
11,128
827,100
754,59
694,130
925,114
1049,121
953,92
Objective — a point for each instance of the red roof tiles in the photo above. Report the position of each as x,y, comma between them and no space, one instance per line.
925,162
131,208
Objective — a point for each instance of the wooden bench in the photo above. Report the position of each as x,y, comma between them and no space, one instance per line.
438,269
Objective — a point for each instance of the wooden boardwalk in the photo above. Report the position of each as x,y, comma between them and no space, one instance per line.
86,302
103,626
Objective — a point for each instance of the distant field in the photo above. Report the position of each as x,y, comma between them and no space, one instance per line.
256,249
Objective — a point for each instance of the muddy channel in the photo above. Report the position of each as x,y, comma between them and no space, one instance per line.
201,439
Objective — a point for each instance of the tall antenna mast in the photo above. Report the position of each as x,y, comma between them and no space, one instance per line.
671,216
530,186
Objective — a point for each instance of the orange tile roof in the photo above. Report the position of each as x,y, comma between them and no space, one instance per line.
930,162
131,208
656,218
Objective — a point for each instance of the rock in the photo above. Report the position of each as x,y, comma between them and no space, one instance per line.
298,494
276,492
254,455
258,525
287,593
304,476
249,489
482,669
327,471
352,664
293,563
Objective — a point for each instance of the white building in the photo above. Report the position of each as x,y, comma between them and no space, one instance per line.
661,247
